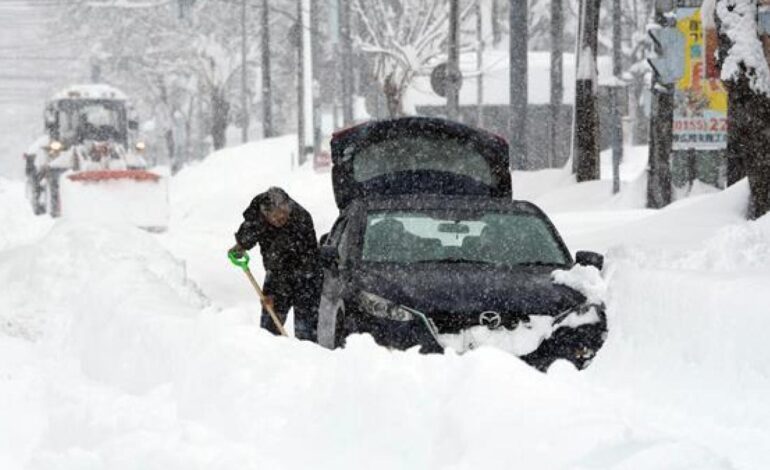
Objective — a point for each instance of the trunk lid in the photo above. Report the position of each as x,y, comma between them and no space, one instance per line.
418,155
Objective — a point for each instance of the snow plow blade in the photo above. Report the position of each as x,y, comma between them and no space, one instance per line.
139,197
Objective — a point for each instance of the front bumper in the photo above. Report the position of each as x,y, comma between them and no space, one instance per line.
539,340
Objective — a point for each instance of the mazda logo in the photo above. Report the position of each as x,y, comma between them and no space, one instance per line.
490,319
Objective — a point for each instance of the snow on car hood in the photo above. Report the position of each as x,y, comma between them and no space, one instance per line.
585,279
465,289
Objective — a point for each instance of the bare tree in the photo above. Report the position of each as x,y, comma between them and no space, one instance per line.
404,38
168,60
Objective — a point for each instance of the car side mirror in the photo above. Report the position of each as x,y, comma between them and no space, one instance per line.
133,125
322,240
589,258
329,257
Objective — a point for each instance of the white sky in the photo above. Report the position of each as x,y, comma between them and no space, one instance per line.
33,64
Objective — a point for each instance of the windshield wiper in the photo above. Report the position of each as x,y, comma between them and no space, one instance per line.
454,261
539,263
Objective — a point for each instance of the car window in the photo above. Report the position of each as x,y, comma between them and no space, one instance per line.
506,238
407,153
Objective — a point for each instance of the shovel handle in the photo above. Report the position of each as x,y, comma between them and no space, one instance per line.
239,261
243,263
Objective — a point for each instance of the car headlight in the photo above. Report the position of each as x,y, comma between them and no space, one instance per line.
585,314
382,308
140,146
55,146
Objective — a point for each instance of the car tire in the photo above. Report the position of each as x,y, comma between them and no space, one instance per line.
34,193
51,195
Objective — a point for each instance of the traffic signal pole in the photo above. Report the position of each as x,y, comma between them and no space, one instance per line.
668,66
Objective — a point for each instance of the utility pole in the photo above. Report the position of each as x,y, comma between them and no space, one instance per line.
453,64
307,76
585,142
519,99
557,78
267,92
479,67
346,69
300,85
316,85
617,122
244,77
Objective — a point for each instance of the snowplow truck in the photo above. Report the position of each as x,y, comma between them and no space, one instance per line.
90,164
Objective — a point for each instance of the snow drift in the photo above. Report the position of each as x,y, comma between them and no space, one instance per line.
111,357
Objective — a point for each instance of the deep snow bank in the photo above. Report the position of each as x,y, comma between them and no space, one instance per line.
214,192
19,224
114,363
110,358
94,290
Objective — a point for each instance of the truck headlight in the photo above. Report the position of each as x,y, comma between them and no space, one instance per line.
382,308
55,146
140,146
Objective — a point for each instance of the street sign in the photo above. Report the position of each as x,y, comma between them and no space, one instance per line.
442,79
669,44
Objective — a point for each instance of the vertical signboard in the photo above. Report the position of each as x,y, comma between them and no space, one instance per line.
700,100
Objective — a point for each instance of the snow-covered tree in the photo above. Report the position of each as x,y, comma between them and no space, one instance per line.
746,75
184,64
404,38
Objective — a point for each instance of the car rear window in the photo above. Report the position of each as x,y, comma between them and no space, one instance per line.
408,153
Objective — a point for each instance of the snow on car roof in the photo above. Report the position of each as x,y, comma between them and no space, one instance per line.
94,90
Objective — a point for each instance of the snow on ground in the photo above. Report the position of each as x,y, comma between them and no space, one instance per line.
18,223
121,350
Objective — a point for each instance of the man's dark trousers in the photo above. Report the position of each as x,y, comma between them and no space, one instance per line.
300,290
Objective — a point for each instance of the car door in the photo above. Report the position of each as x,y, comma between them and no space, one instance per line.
333,286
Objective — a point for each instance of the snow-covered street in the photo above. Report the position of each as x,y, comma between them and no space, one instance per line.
121,349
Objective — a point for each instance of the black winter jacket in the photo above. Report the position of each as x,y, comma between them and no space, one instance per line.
286,251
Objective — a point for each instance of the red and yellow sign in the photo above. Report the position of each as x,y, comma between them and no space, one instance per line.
700,99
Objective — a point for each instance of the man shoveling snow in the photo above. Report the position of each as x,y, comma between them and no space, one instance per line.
286,236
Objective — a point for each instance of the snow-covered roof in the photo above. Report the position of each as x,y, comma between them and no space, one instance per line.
100,91
496,85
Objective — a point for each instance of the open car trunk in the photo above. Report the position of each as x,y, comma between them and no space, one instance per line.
418,155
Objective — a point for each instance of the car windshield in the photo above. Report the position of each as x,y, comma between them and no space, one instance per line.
498,238
91,119
409,153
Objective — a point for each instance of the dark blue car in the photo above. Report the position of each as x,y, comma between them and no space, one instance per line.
431,251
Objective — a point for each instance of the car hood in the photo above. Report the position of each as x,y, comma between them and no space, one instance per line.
454,296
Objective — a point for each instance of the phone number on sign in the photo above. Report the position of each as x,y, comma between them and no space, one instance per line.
703,125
